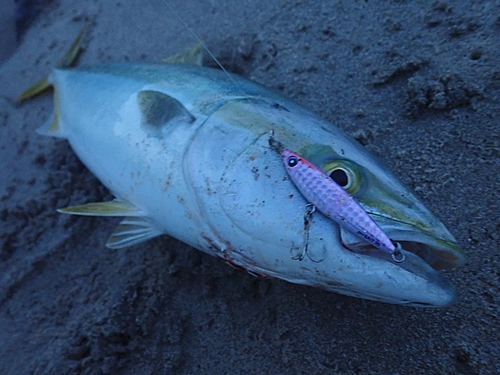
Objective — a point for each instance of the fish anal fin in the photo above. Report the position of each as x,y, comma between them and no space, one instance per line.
111,208
132,231
158,109
191,56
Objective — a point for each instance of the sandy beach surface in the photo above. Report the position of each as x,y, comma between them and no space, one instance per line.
417,82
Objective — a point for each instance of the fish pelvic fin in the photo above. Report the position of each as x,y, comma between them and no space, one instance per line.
115,207
132,231
68,60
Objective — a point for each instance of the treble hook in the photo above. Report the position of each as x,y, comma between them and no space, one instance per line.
310,209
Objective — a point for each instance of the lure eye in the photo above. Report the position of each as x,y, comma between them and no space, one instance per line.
345,173
293,161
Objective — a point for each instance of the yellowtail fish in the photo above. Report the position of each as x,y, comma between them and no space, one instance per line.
185,151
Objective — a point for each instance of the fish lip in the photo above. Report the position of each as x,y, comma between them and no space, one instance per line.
449,298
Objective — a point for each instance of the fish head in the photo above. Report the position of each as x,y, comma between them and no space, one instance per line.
256,215
402,216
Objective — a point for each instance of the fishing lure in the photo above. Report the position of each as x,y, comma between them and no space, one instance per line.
335,203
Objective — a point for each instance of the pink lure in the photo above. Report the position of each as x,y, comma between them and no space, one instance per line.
334,202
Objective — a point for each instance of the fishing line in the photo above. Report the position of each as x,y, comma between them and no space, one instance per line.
191,31
273,143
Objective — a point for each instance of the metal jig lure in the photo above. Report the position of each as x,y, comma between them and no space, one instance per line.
335,203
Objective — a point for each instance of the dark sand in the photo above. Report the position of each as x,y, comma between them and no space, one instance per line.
418,82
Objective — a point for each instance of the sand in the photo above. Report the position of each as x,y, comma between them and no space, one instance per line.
417,82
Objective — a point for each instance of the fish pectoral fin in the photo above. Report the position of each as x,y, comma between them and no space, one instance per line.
132,231
158,109
68,60
191,56
112,208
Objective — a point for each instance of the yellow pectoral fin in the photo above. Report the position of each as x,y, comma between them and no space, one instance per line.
112,208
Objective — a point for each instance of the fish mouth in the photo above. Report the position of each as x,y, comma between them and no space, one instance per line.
438,257
439,250
424,255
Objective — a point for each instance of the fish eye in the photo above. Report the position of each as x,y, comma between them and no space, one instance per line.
345,173
340,177
292,161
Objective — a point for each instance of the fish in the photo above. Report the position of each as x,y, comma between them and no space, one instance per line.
185,151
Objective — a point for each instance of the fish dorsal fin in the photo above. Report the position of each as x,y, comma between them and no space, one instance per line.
113,208
158,109
132,231
191,56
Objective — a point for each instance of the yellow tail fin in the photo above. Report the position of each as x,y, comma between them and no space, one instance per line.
66,61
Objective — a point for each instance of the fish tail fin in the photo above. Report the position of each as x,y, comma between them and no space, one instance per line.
68,60
35,90
134,229
52,127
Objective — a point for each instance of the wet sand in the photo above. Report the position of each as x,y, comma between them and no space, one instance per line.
417,82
